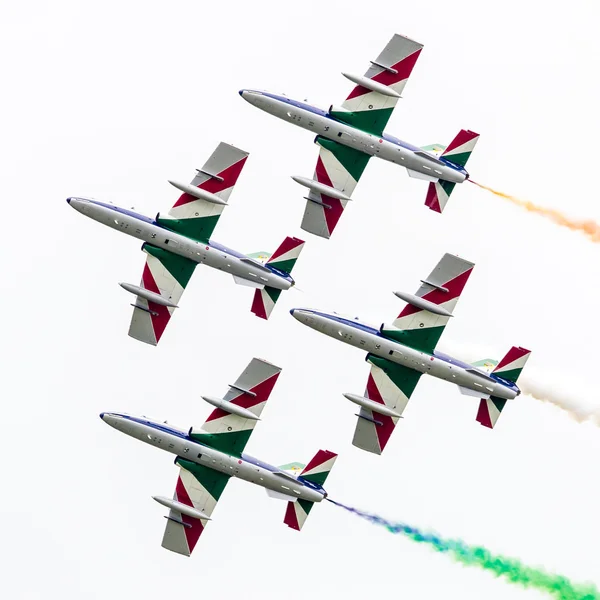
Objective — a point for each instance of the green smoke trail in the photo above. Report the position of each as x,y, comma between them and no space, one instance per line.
509,568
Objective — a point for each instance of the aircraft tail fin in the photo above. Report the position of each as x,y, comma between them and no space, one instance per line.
489,411
458,153
438,194
283,259
512,364
264,301
315,472
461,147
508,368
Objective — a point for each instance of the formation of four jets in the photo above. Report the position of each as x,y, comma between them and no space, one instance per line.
398,353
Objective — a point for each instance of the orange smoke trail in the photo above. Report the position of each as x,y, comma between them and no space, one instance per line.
589,228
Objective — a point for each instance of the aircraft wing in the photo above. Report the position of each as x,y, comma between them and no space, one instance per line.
165,275
370,108
423,320
338,167
196,216
227,431
392,386
200,488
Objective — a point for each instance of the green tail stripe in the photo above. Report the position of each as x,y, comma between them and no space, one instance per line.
511,375
230,442
318,478
447,186
371,121
180,268
425,339
404,379
274,293
213,481
352,160
459,159
306,505
199,229
499,403
285,265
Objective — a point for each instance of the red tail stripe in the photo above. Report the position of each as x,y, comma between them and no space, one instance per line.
513,354
318,459
404,68
230,176
258,306
432,200
463,137
290,519
288,244
483,414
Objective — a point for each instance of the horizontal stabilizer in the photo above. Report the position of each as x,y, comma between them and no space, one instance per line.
280,496
248,282
435,149
257,263
284,475
473,393
422,176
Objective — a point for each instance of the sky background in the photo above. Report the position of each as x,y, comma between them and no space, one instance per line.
110,100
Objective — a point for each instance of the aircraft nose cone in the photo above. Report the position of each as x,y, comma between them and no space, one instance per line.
69,200
292,311
102,415
241,93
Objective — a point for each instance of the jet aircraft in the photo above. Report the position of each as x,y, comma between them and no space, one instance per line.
350,134
400,353
177,242
209,456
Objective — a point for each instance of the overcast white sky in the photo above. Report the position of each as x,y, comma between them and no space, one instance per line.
110,99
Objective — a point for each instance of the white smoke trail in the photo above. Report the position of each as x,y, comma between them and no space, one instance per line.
543,387
563,391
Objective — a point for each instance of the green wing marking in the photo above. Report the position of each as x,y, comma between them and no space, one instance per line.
425,339
199,229
403,378
212,481
353,161
372,121
231,443
179,267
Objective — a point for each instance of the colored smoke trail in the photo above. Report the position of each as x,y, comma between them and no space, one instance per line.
511,569
589,228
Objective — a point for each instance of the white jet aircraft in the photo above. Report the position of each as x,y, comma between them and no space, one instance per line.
176,243
209,456
349,135
400,353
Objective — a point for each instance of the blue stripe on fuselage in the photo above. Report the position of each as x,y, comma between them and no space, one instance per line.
163,427
211,243
439,355
386,136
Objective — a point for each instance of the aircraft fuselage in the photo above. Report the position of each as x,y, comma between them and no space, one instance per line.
178,442
369,339
211,254
386,147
